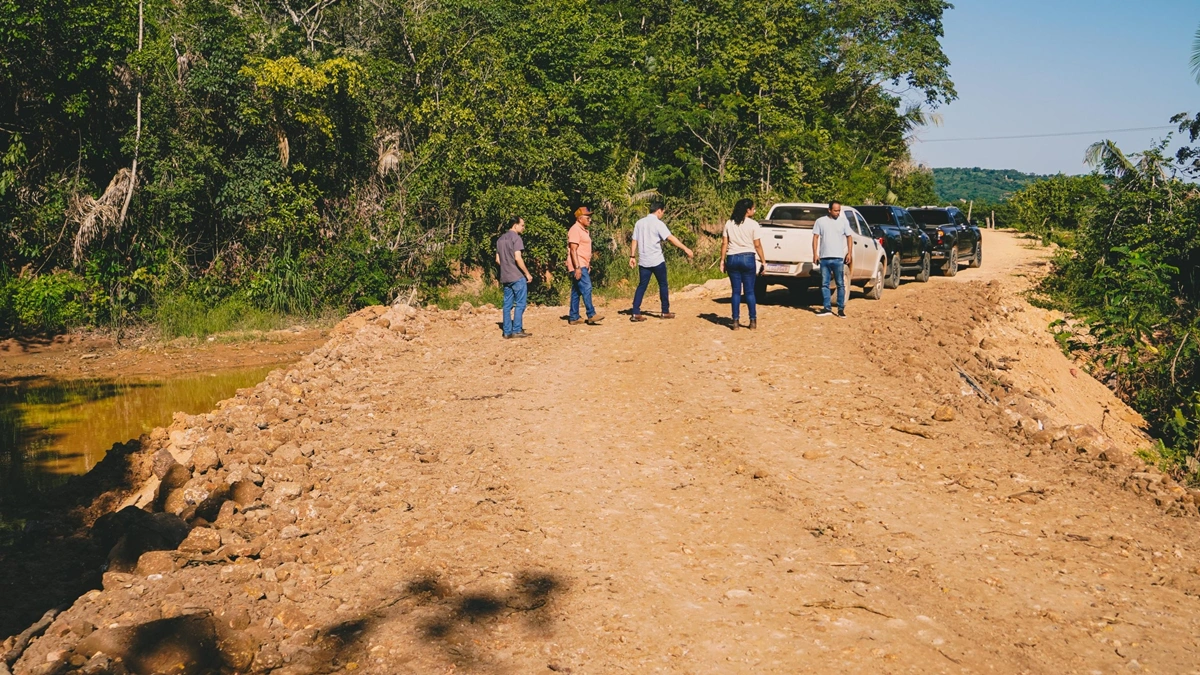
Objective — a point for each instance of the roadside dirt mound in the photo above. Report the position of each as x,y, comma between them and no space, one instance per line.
923,487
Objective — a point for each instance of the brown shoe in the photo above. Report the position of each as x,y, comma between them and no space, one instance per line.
753,324
576,322
637,317
667,315
594,320
736,325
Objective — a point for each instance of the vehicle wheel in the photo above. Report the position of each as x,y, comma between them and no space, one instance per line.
977,259
760,289
892,280
926,263
875,290
950,268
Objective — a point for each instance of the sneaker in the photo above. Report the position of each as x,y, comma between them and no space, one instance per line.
637,317
522,334
594,320
574,322
841,314
825,312
667,315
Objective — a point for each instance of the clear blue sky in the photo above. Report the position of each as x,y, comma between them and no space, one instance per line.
1051,66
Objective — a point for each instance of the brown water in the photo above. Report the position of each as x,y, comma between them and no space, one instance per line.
51,430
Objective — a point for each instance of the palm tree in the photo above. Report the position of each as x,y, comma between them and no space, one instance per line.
1196,56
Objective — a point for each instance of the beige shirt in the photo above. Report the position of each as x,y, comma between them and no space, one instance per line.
742,237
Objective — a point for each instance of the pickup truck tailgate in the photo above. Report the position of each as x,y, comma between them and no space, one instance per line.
786,246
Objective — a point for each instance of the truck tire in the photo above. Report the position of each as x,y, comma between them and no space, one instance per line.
874,290
892,280
977,259
760,289
950,267
926,264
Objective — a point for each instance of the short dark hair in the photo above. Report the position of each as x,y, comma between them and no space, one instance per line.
657,205
514,221
834,202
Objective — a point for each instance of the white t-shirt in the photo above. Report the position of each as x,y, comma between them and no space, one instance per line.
742,237
833,235
650,233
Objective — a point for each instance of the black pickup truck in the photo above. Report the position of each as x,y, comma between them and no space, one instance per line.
906,244
953,237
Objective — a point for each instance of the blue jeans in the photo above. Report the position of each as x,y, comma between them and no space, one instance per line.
836,268
742,269
516,294
581,288
659,272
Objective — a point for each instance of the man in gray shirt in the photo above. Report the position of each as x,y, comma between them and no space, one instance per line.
514,277
833,247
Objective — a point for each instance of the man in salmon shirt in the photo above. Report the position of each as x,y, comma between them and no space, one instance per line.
579,262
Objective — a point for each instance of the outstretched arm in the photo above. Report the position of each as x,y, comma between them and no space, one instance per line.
679,245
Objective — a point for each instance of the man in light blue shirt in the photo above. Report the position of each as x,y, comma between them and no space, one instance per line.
833,247
647,255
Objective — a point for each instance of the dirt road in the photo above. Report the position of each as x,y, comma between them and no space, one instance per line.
673,497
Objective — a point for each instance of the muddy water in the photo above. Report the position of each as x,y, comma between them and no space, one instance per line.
50,430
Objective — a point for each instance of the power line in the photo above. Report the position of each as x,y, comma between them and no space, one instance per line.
1065,133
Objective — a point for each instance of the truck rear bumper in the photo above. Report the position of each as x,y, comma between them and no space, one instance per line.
794,270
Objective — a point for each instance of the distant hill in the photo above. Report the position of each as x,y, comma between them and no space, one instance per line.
989,185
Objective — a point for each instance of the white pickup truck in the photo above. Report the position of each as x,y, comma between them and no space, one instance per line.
787,243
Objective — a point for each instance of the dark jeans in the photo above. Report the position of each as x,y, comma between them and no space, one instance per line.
516,294
834,267
659,272
742,269
581,288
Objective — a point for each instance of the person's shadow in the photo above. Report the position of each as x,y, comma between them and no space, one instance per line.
723,321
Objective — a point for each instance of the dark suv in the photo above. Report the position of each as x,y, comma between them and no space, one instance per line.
953,237
906,244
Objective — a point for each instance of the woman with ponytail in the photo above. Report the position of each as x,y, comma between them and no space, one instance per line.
739,245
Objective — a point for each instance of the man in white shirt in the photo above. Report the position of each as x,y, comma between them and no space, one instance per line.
647,255
833,247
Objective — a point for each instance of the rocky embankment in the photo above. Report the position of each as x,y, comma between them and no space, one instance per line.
227,554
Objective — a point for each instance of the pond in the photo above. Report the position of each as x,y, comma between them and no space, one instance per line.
51,430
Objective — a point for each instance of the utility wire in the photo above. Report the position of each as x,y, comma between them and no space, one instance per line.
1066,133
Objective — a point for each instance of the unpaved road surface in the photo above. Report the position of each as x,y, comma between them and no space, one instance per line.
669,496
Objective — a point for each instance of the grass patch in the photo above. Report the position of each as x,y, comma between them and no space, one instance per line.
679,274
182,316
489,295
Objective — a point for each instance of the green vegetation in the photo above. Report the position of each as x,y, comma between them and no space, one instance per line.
240,162
1130,275
980,185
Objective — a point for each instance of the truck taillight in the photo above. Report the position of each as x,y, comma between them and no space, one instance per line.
941,237
880,240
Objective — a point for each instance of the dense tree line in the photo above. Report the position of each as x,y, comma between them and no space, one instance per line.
980,185
291,155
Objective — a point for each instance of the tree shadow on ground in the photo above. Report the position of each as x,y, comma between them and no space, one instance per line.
455,623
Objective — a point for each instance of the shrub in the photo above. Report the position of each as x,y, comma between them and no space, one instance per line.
47,303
